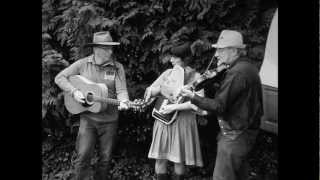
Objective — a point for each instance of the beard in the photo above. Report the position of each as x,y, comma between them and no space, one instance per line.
101,58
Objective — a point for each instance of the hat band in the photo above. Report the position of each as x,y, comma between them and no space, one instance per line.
104,43
228,45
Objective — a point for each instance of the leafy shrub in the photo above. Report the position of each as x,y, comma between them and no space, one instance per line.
145,29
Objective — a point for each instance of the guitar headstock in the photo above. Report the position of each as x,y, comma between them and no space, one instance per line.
138,105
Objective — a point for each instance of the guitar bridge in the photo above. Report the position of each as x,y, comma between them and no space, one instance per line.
86,104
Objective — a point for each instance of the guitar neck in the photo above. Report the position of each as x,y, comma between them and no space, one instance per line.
111,101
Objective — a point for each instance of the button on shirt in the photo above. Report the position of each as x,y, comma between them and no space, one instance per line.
112,74
238,101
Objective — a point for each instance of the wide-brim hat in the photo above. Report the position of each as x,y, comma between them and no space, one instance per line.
229,38
102,38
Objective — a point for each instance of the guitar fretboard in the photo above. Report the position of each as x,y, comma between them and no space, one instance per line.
105,100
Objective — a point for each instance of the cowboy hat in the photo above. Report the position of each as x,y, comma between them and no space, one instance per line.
229,38
102,38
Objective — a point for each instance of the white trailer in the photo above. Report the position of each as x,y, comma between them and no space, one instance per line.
269,79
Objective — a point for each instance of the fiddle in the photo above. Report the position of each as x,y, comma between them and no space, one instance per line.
207,75
197,83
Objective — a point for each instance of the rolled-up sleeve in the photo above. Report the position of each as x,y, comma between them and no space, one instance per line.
121,84
230,89
62,78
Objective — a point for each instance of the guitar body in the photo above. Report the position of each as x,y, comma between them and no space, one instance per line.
86,87
164,118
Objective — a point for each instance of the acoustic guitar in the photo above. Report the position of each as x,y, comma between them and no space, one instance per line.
162,100
96,97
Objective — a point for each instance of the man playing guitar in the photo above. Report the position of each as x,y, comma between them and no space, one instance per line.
99,127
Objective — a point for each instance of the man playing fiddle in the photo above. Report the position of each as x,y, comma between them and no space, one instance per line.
237,104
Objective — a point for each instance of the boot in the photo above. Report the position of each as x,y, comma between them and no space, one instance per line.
162,176
177,176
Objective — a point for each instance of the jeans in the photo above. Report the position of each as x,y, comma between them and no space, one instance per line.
231,161
91,133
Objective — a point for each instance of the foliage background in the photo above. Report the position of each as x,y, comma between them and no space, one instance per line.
145,29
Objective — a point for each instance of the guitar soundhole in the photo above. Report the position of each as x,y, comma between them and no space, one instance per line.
89,98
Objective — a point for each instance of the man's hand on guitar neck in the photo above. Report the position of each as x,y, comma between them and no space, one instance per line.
123,105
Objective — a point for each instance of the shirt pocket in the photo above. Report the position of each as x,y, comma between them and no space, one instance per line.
108,78
109,75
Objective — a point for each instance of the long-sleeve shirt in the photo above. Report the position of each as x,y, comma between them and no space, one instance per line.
238,101
112,74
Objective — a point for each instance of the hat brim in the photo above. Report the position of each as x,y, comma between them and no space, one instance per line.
224,46
104,44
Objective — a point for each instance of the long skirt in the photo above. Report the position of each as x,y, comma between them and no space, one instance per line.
177,142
